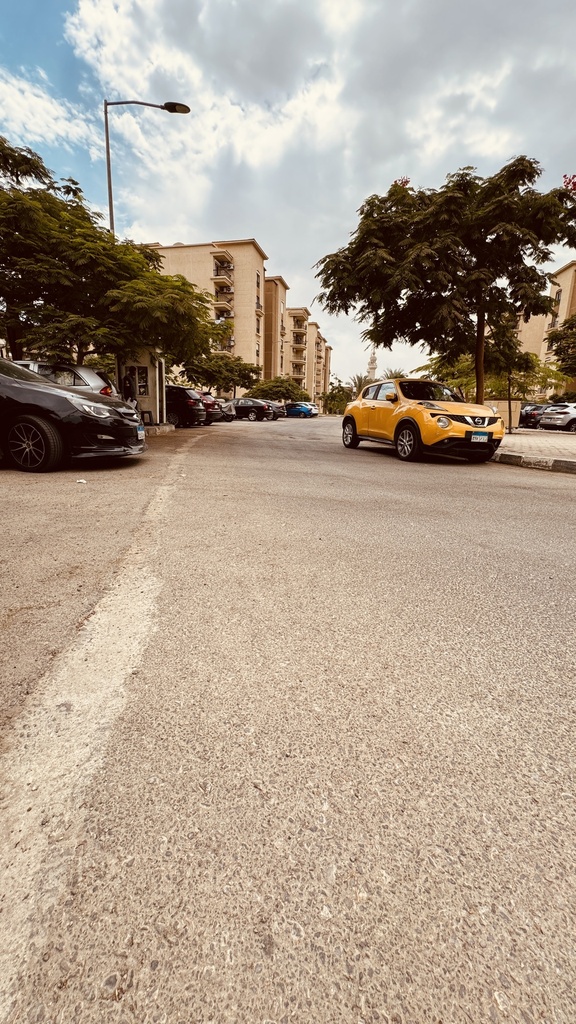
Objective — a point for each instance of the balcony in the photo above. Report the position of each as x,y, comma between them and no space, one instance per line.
299,340
259,308
224,300
223,274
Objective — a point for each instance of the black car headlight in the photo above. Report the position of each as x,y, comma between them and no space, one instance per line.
91,408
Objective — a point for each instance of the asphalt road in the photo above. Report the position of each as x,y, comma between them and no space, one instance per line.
288,737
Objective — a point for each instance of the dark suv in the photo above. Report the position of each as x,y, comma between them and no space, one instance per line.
42,423
184,407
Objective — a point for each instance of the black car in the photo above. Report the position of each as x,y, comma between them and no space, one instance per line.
278,409
42,423
184,406
252,409
530,415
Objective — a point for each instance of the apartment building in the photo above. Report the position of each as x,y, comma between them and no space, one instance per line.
534,334
275,330
232,271
318,362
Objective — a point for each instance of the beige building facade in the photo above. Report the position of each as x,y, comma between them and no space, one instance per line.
232,272
534,334
281,340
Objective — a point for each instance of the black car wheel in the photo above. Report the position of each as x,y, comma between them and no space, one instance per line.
571,428
350,438
302,415
407,442
173,418
252,415
34,445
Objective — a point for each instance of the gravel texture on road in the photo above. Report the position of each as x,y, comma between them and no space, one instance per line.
319,765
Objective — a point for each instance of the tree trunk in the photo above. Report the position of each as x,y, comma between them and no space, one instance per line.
479,355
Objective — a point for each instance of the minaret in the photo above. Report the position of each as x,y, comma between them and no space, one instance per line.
372,364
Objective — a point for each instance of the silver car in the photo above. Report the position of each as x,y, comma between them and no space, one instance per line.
559,417
82,377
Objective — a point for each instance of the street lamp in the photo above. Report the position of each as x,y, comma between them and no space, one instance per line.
172,108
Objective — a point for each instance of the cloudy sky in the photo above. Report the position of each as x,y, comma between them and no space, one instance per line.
300,109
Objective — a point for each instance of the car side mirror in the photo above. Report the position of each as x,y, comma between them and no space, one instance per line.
392,397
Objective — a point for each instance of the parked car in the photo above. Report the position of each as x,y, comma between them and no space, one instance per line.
42,423
213,407
304,410
415,415
228,409
531,415
184,406
82,377
561,416
252,409
278,408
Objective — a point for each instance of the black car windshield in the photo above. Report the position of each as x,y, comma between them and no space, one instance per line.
9,369
428,391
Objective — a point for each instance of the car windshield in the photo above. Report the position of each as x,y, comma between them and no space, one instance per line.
9,369
428,391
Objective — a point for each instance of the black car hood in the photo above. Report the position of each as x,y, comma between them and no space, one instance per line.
66,392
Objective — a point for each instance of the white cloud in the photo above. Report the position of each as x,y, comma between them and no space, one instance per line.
30,116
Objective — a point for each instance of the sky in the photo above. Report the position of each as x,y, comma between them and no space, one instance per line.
300,109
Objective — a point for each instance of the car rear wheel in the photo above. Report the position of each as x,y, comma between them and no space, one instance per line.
173,418
407,442
34,445
252,415
479,456
302,415
572,427
350,438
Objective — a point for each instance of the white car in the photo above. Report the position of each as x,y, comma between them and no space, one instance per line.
561,416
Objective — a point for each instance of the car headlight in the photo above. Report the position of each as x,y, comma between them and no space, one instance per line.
443,421
92,408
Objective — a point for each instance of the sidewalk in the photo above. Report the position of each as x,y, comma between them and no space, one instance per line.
539,449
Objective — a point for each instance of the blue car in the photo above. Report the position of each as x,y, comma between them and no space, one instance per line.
301,409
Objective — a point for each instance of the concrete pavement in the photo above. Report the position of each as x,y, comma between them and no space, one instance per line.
539,449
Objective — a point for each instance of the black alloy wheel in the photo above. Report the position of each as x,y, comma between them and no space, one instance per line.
173,418
571,428
302,415
34,445
407,442
350,438
252,415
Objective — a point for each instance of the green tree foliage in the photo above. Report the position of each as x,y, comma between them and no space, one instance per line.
337,397
562,341
440,268
68,287
219,371
279,389
359,381
524,378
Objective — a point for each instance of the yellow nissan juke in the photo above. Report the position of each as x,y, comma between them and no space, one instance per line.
416,416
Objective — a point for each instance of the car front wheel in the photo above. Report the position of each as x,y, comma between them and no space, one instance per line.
407,442
572,427
34,445
252,415
350,438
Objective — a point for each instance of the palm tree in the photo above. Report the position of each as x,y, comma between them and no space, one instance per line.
359,381
391,372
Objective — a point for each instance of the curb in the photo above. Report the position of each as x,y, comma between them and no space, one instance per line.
536,462
159,428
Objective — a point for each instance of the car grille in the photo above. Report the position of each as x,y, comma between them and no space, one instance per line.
472,421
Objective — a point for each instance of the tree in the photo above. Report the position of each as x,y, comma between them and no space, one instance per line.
562,341
440,268
337,397
68,287
279,389
359,381
222,372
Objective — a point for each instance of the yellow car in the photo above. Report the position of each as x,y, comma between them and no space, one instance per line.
416,416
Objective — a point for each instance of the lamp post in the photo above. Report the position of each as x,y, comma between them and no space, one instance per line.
172,108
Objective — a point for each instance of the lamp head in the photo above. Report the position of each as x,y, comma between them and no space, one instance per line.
176,108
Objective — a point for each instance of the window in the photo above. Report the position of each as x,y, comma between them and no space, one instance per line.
385,391
258,280
142,379
370,392
257,351
257,325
